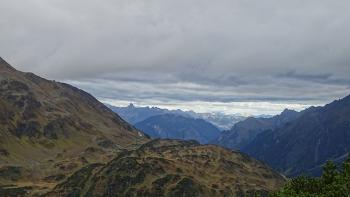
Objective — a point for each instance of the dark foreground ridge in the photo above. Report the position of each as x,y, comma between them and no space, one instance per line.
173,168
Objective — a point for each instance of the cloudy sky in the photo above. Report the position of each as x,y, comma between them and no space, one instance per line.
234,56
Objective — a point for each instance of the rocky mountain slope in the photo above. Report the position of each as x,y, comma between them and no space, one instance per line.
173,168
244,132
54,127
177,127
302,146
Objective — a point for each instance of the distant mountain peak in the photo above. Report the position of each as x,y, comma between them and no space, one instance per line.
131,105
288,111
134,114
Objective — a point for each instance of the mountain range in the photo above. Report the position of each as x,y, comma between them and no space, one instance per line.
244,132
133,115
57,140
302,146
173,126
295,143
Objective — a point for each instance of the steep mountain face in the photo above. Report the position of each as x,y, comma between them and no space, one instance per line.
135,115
244,132
178,127
173,168
54,127
302,146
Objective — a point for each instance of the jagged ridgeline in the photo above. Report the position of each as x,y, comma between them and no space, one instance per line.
59,139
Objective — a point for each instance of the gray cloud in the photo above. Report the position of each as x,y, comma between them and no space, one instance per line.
184,51
317,78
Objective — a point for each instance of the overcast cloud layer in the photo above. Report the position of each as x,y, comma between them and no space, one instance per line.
245,56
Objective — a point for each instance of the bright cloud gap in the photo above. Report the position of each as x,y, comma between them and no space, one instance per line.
241,108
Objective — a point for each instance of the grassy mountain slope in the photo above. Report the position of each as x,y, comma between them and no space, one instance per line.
51,129
173,168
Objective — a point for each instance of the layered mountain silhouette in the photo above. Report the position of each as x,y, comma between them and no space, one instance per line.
49,130
303,145
134,115
244,132
172,126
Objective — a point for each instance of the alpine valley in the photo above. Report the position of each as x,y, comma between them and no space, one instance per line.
57,140
178,127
